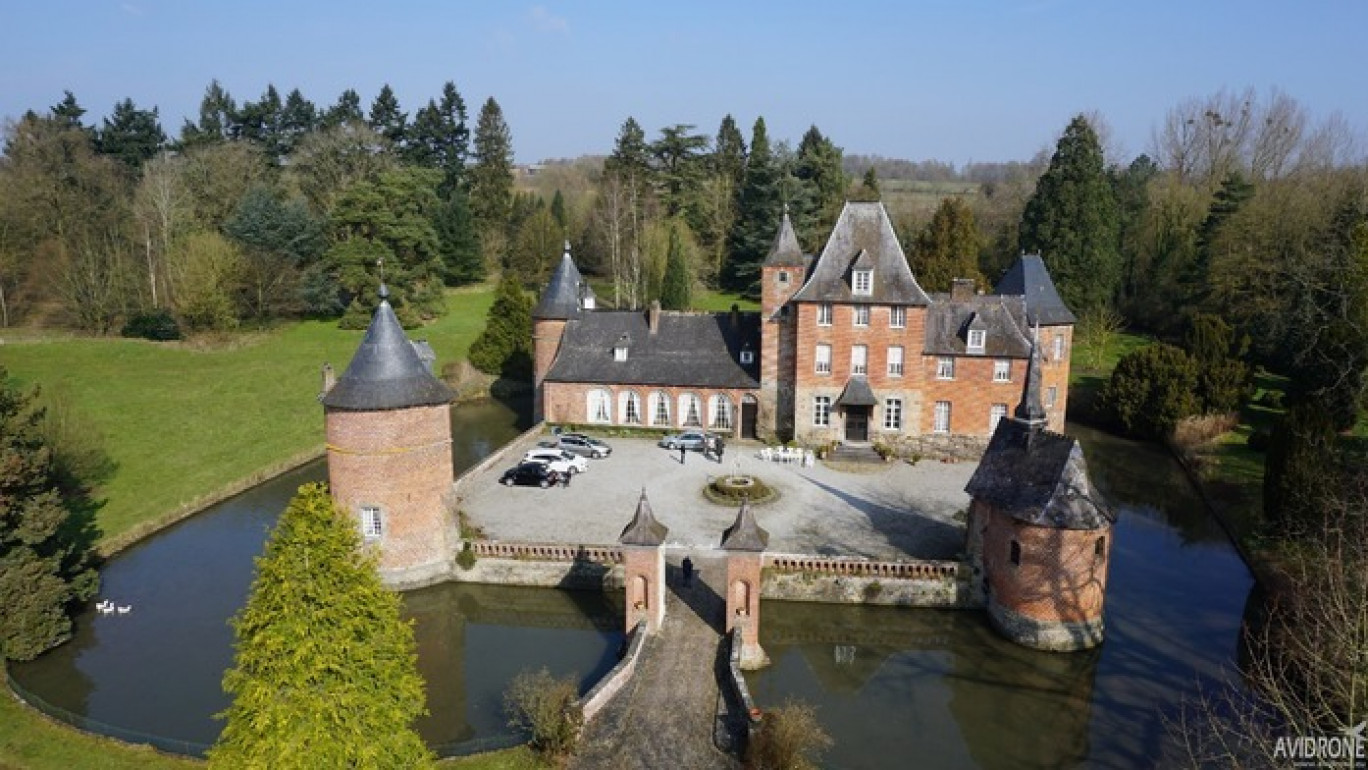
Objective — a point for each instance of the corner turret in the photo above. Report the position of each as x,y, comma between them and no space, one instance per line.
564,299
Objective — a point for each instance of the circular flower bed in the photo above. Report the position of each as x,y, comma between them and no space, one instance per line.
732,489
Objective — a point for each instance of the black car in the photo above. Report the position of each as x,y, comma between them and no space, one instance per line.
530,474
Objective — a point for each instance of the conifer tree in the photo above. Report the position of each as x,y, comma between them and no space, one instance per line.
505,345
819,170
298,117
387,120
758,213
491,179
130,135
325,672
458,240
1072,221
346,110
947,248
676,289
218,119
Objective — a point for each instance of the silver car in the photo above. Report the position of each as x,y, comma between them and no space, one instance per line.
558,460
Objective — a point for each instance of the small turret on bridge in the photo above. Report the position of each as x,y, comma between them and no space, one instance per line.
745,542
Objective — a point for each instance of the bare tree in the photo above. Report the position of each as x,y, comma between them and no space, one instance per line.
162,208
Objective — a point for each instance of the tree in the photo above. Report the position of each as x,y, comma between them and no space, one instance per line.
678,155
332,159
458,240
46,558
677,288
298,118
439,139
819,171
68,112
387,120
491,179
218,119
1151,389
536,248
504,347
1222,377
758,214
869,187
260,123
278,239
325,671
346,110
217,176
1072,221
623,207
205,275
947,248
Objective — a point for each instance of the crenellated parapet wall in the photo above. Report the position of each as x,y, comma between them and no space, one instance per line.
943,584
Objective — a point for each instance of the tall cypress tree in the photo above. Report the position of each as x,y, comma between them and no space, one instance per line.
947,248
759,210
676,290
325,673
491,176
387,120
1072,221
819,171
504,347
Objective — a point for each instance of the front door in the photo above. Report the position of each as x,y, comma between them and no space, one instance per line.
748,413
857,423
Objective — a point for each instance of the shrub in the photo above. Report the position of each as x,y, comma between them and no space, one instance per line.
155,325
789,738
545,707
722,490
1152,389
466,558
1299,468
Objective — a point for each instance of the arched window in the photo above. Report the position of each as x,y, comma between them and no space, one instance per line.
691,411
600,406
660,409
629,408
720,408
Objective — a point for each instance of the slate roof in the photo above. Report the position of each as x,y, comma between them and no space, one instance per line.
863,232
1031,408
1003,320
786,252
561,299
1029,278
1039,478
857,393
745,534
643,529
688,350
386,372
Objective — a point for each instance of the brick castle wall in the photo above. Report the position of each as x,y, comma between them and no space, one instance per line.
546,339
568,402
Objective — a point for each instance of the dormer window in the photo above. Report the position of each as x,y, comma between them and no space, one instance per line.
620,349
977,337
747,355
862,283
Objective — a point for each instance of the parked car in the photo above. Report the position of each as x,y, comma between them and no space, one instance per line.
693,440
583,445
530,474
558,459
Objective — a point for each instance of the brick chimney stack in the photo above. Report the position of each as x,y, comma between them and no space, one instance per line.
653,317
961,289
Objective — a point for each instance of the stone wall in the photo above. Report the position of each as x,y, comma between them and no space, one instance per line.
850,581
613,682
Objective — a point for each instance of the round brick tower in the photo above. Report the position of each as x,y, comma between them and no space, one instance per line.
566,296
388,428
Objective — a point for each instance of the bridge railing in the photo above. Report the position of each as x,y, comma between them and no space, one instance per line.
909,570
494,549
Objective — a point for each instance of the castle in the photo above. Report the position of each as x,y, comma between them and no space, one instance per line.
846,348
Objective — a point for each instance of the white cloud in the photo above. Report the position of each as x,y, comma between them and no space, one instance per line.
544,20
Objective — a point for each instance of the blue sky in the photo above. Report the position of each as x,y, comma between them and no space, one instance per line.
954,80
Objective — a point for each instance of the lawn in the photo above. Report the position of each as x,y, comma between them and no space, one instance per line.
183,420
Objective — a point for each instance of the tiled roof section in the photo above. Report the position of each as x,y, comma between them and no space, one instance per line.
561,297
785,252
1039,478
688,350
1031,408
745,534
857,393
863,227
1029,278
643,529
1003,320
386,372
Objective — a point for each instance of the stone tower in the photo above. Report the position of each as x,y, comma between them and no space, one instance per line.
643,566
745,542
1038,535
388,427
565,297
781,275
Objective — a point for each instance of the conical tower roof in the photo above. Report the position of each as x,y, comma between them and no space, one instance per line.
643,529
1031,409
745,534
562,298
785,252
386,372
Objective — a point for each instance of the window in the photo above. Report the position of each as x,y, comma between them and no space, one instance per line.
897,317
995,413
859,359
1015,553
862,283
976,339
942,417
660,409
1051,395
690,408
824,314
783,276
1002,370
372,523
821,411
861,315
1100,547
620,352
1058,347
630,407
600,406
895,361
945,368
747,356
824,359
721,410
892,414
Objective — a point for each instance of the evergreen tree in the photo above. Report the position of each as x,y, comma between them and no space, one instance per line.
820,173
260,123
729,153
1299,468
504,347
558,211
218,119
325,672
947,248
1072,221
1131,188
440,139
868,190
677,288
759,211
387,120
1230,197
679,162
1151,389
491,179
130,135
346,110
278,239
458,241
298,118
67,112
45,539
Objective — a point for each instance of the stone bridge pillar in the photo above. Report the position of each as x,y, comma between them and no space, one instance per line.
643,562
745,542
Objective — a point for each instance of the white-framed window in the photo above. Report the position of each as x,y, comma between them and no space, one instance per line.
747,356
895,361
995,414
945,368
620,352
783,276
720,409
821,411
861,315
660,408
862,283
942,417
859,359
600,406
823,359
691,411
1051,395
892,414
1058,347
372,522
629,406
824,314
977,338
897,317
1002,370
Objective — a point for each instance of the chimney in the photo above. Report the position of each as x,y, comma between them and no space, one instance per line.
961,289
329,378
653,317
735,316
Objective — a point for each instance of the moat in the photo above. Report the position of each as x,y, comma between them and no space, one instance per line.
889,684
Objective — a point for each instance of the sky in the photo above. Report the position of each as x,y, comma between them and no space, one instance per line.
950,80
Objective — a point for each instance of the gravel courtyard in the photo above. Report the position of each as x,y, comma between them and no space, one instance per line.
897,511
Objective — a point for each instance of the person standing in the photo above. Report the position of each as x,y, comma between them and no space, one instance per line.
719,448
682,450
687,568
565,478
